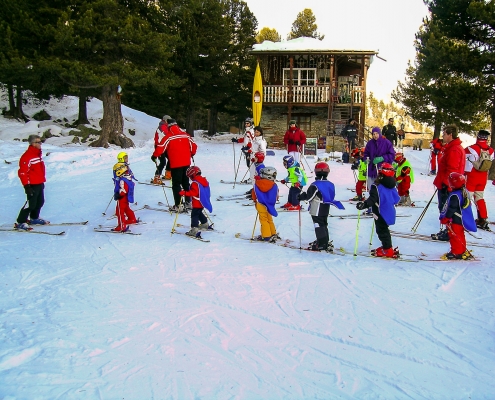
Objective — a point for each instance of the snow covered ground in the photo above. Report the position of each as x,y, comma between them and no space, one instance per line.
94,315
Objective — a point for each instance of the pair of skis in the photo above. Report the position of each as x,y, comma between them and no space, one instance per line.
39,232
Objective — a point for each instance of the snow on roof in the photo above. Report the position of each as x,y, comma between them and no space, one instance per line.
312,44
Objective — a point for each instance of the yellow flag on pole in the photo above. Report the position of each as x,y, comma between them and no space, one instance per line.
257,95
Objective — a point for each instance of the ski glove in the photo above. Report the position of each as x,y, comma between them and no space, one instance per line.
298,143
282,181
445,221
234,140
29,190
182,193
291,142
377,160
117,196
297,185
153,158
361,205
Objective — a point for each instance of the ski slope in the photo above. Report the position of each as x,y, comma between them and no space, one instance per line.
90,315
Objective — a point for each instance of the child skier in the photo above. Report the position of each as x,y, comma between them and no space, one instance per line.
360,166
405,177
257,164
265,194
457,215
382,200
321,194
199,191
297,177
123,194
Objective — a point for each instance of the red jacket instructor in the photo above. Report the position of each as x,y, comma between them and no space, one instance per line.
32,175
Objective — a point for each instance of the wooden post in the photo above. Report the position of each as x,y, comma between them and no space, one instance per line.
290,97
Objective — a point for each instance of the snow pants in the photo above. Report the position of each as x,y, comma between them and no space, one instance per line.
476,192
32,207
293,192
124,213
266,221
360,187
457,239
321,230
180,181
383,232
197,216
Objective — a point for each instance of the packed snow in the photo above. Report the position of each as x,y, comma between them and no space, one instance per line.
90,315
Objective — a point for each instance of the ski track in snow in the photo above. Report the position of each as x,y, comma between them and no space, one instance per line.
106,316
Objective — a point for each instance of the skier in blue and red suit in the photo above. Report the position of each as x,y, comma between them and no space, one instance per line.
199,191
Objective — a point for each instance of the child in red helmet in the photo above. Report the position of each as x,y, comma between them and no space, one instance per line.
404,176
360,166
199,191
382,200
457,215
321,194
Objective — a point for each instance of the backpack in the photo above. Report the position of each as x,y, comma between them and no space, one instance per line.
484,161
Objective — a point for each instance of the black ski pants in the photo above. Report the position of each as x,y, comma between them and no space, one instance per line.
180,181
321,230
383,232
33,205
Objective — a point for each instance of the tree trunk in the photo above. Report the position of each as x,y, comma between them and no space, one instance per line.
82,118
191,114
212,122
17,110
10,90
437,128
491,173
112,123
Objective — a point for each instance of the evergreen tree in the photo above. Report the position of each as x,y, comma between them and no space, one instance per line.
305,26
268,34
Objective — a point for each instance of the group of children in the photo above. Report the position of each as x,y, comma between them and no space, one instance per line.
389,189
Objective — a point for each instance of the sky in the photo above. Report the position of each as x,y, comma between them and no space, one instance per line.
385,25
91,315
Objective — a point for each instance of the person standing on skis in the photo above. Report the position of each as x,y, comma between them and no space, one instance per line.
123,195
32,175
294,140
297,178
247,140
159,152
377,151
382,200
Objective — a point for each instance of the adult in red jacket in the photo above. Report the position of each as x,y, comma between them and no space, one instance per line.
32,175
180,147
159,153
294,140
476,179
452,159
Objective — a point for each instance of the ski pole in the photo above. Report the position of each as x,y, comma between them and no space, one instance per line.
176,216
104,213
207,216
300,238
233,151
372,229
357,234
254,227
166,198
355,175
416,225
237,171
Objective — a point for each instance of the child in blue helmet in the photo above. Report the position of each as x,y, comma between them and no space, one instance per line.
297,178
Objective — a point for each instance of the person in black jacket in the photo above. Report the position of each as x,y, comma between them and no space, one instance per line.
390,132
350,133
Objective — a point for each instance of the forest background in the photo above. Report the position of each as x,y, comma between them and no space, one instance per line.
191,58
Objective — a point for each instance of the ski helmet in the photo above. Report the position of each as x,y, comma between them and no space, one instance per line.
387,170
193,171
322,169
121,156
268,173
399,157
289,161
456,180
259,156
249,120
119,169
483,135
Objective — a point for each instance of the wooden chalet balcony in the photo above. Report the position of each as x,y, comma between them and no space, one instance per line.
308,94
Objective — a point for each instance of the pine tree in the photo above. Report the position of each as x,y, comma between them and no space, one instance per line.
305,26
268,34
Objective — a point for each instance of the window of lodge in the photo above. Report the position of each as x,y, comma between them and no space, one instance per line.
302,76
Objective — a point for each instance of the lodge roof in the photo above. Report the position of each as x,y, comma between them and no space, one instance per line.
305,45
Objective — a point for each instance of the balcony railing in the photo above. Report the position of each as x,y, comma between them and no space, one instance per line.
307,94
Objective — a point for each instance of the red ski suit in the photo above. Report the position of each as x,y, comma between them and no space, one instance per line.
293,135
160,136
180,147
31,167
453,159
125,216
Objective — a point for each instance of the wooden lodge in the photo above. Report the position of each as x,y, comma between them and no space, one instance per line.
317,86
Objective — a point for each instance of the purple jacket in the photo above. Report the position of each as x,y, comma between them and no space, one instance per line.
378,148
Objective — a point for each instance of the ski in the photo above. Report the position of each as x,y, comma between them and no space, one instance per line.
65,223
147,207
237,183
285,210
248,204
154,184
353,216
400,257
424,257
243,197
201,239
210,228
110,231
110,227
32,231
427,238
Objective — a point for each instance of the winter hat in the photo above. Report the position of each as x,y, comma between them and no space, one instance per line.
165,117
171,121
483,135
259,129
350,120
376,129
292,121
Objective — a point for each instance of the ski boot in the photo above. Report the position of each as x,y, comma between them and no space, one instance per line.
482,223
442,235
38,221
24,226
120,229
194,232
157,181
381,252
357,198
